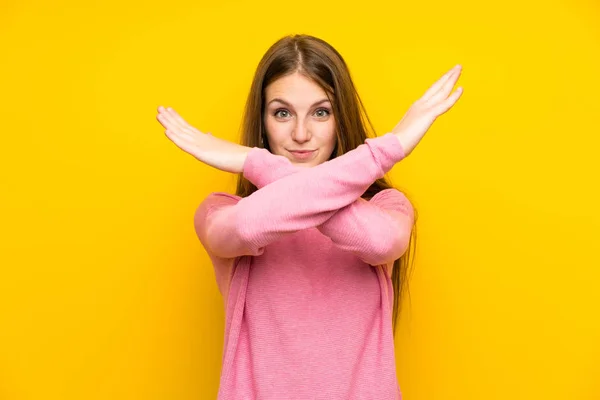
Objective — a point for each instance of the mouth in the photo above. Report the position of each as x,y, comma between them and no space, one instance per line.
302,154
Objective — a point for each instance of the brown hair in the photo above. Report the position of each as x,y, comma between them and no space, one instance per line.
319,61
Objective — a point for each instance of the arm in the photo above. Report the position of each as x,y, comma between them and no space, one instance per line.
233,227
265,168
300,201
377,231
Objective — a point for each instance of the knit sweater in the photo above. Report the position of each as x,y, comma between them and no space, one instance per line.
304,268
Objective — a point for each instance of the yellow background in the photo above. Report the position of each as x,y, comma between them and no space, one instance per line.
105,292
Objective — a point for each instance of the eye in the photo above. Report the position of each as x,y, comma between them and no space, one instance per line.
281,110
325,111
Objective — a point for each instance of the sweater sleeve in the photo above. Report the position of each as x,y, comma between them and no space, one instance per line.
230,226
265,167
377,231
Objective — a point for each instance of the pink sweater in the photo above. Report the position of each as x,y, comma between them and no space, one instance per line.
304,266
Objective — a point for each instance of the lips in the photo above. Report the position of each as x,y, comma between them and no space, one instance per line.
302,154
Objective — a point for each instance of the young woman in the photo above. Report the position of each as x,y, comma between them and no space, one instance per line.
311,251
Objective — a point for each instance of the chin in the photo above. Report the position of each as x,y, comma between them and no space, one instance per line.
303,165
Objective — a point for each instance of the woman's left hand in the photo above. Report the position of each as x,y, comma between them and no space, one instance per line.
422,114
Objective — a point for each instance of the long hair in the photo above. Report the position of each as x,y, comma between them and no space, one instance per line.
319,61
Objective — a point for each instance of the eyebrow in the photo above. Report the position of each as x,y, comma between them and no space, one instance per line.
289,105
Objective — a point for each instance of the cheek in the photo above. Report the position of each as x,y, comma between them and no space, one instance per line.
327,132
275,131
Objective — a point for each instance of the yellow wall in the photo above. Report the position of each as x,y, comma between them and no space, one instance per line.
105,292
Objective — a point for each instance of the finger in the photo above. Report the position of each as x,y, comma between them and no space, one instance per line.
166,121
179,119
169,124
449,102
445,89
437,85
179,141
165,117
442,82
168,116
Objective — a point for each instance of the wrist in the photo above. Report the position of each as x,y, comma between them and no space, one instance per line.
404,145
241,159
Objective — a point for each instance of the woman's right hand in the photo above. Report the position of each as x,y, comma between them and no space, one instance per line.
218,153
421,115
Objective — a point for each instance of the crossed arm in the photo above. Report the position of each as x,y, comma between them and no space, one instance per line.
326,196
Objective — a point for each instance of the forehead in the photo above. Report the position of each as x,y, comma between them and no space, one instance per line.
295,89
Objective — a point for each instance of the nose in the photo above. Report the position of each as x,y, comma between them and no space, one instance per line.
301,133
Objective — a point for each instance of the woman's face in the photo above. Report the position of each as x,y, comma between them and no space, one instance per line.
299,117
